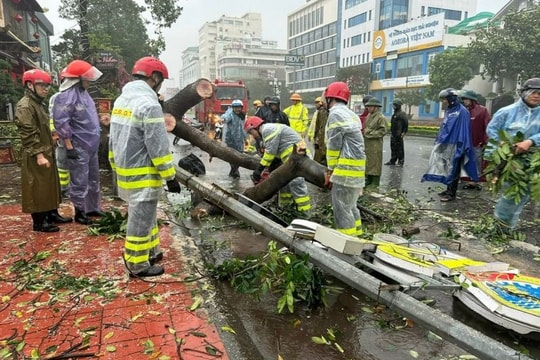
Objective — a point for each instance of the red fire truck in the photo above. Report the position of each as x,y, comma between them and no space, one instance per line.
209,110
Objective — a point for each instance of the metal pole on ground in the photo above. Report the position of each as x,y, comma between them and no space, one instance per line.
434,320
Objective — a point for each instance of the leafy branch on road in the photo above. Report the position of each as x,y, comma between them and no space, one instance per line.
511,173
288,276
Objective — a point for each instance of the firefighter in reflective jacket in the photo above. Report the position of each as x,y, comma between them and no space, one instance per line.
345,158
139,154
298,115
278,142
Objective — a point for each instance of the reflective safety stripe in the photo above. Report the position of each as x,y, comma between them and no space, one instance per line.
272,135
338,124
155,183
285,198
267,159
63,174
162,160
349,173
359,229
126,113
145,170
303,203
334,153
165,174
285,154
352,162
349,231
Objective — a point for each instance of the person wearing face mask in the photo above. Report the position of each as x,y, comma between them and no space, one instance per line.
39,174
453,148
139,155
522,116
77,124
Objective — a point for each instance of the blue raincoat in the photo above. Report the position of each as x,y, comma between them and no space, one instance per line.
452,145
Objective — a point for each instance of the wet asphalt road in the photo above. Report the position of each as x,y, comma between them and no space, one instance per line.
264,334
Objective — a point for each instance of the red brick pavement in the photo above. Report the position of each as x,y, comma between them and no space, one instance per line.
67,293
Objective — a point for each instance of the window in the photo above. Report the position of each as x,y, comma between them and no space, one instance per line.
448,14
356,40
357,20
388,69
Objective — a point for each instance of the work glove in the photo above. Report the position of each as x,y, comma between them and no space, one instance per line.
327,176
72,154
173,186
256,176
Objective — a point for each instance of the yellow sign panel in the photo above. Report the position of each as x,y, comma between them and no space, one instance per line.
418,34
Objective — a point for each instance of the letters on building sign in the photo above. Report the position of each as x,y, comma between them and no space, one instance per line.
106,60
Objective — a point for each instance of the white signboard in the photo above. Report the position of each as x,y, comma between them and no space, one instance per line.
417,34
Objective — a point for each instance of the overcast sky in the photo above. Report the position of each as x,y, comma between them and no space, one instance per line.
196,12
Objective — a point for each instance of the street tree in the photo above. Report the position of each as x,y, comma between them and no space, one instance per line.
357,78
124,32
410,98
11,92
452,68
511,49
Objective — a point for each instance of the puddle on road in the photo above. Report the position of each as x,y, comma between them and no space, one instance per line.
364,331
362,334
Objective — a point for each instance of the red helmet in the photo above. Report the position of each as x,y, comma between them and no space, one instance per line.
147,65
338,90
252,122
36,76
81,69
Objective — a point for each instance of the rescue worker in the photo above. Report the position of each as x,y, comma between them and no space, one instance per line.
233,131
480,119
399,125
345,159
453,148
77,123
275,115
316,131
278,141
257,104
298,115
265,108
139,154
373,142
60,152
39,174
522,116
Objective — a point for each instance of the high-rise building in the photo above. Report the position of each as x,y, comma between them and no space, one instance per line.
312,40
190,71
332,34
399,38
232,49
215,35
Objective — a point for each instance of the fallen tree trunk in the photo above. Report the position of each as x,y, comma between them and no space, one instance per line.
192,94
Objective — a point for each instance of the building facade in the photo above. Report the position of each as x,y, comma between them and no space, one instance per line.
215,35
399,37
312,35
258,59
24,36
191,70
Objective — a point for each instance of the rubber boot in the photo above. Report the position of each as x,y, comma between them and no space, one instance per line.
81,217
41,224
368,180
53,217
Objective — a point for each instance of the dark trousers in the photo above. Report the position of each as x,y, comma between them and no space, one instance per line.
397,149
451,188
